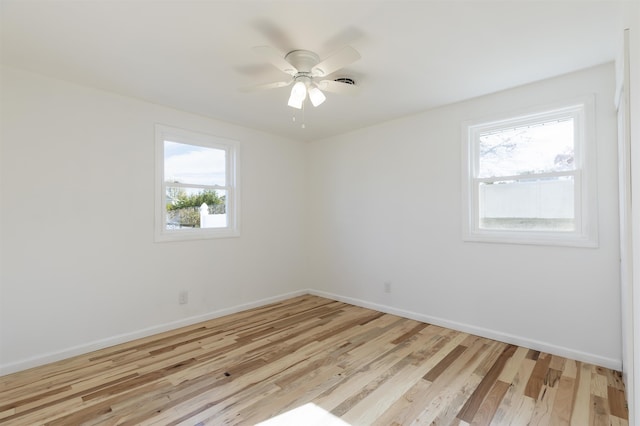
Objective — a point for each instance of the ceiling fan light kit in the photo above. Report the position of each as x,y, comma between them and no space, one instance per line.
298,95
301,88
304,67
316,96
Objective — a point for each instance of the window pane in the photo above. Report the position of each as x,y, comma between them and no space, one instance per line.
529,204
185,208
193,164
540,148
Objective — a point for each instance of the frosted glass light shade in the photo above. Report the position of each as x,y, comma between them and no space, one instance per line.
316,96
298,95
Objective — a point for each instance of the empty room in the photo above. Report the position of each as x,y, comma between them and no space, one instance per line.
319,212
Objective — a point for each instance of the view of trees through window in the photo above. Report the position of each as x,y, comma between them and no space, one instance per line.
541,148
526,177
183,206
193,176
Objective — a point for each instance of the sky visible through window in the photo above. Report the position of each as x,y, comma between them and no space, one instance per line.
540,148
193,164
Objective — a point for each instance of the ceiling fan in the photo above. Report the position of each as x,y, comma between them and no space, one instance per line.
308,73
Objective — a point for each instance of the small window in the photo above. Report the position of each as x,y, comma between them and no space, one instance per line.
530,179
196,186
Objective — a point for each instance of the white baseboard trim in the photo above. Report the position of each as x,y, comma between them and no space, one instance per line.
127,337
46,358
614,364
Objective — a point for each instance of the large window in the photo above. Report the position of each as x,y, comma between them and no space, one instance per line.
530,179
196,185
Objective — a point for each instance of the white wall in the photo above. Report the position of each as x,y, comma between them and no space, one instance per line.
85,159
386,206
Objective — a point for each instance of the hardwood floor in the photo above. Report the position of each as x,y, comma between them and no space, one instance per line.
323,361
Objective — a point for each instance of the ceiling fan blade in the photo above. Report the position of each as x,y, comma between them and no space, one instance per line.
338,87
273,56
339,59
266,86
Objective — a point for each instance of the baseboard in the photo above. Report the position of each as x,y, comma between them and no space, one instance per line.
35,361
127,337
611,363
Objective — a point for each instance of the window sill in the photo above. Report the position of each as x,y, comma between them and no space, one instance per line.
189,235
531,238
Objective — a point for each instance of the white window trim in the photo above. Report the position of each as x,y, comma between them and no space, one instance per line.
232,168
586,234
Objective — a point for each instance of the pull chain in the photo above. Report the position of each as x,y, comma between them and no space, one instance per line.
293,118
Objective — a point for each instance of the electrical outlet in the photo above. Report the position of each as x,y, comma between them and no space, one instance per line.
183,297
387,286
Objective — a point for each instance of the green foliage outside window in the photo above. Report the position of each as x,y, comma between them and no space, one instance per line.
184,209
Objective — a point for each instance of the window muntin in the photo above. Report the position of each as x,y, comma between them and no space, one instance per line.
527,179
196,186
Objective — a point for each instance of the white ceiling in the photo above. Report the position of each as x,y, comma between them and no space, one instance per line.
416,55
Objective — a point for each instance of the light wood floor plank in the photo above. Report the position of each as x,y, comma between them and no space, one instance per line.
450,390
515,406
345,364
582,397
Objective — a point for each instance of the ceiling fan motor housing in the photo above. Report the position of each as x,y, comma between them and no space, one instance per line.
302,60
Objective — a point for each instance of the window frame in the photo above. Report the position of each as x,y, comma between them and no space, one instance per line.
232,155
585,180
